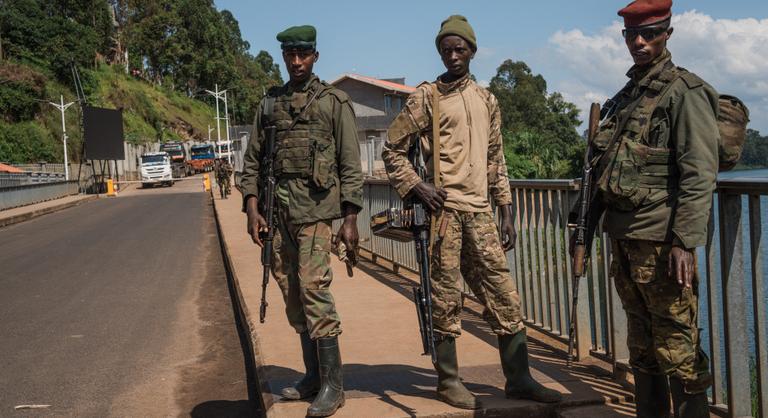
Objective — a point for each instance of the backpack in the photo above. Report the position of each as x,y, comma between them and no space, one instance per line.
732,123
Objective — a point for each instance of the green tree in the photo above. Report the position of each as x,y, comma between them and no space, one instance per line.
539,129
755,154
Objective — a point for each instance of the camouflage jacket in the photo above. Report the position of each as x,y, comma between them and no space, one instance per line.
672,179
336,162
471,154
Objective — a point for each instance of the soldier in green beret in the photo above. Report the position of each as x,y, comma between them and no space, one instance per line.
656,155
317,164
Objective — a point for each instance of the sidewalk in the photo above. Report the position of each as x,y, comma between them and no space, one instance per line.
384,373
24,213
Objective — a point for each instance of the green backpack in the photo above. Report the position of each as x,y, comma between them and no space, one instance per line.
732,122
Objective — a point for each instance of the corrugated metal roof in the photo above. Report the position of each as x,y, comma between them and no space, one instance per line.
388,85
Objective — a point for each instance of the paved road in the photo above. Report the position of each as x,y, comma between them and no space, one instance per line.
120,307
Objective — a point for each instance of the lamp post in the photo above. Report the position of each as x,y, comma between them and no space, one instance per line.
63,107
219,95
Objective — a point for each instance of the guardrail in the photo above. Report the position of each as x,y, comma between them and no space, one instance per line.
21,179
733,308
11,197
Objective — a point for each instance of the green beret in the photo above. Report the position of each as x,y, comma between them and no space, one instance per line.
301,37
457,25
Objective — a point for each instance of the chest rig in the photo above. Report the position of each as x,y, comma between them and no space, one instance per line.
631,166
304,138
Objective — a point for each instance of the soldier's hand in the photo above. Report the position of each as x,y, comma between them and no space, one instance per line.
256,222
348,234
508,233
432,197
681,266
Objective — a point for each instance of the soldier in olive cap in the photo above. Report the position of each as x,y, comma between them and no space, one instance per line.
317,164
472,168
657,162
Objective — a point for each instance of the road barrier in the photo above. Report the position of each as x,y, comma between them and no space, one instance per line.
14,196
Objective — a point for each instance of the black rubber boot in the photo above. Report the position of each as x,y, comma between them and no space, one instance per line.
331,394
514,361
688,405
309,385
651,395
449,387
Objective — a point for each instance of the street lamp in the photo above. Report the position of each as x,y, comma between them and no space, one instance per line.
63,107
219,95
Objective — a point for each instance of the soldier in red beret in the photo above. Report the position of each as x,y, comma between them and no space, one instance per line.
656,159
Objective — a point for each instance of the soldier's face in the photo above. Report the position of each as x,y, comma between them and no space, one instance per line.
456,55
299,63
647,43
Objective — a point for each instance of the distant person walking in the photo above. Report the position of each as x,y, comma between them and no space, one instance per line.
317,165
472,167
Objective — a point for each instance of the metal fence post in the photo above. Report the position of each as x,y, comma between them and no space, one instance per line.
734,305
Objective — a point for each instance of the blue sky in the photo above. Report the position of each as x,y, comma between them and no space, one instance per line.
556,38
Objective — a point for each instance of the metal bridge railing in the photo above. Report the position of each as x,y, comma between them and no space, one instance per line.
732,284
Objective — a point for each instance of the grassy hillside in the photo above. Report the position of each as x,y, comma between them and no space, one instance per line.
30,128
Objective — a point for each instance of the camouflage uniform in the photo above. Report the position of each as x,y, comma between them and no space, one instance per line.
318,169
471,248
656,181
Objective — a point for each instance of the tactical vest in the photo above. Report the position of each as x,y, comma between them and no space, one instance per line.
630,168
305,149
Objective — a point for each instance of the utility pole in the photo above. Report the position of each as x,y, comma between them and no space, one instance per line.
226,120
209,132
62,107
218,95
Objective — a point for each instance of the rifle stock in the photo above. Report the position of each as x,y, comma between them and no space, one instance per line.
268,211
585,227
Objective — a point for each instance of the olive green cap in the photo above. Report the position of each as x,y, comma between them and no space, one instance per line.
457,25
300,37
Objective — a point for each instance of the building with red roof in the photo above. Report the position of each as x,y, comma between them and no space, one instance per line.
376,103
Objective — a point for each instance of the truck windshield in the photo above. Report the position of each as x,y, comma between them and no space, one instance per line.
202,151
152,159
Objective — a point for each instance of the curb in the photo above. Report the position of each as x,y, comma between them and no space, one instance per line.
44,211
245,317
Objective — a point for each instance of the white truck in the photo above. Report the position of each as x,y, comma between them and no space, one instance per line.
156,169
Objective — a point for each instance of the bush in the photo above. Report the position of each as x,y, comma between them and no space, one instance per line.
27,142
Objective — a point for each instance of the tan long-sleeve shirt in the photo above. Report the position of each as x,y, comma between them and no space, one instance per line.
471,153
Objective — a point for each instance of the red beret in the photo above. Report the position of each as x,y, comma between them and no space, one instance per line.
646,12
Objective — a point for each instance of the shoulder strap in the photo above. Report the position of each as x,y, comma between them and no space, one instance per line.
661,87
436,135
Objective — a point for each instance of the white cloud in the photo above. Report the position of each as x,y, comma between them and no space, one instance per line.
484,53
732,55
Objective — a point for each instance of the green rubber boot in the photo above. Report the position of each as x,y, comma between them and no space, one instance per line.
514,361
687,405
651,395
449,387
309,385
331,395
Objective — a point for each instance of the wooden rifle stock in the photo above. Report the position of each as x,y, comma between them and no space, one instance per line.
584,227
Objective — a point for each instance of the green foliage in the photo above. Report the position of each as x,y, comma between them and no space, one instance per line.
175,49
26,142
755,153
539,129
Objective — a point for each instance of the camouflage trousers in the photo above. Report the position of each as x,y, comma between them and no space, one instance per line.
662,317
472,249
302,269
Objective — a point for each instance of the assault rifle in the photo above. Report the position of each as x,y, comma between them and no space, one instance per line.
267,209
585,225
413,223
422,295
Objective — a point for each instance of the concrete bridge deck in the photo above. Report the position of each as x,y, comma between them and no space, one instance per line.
385,375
